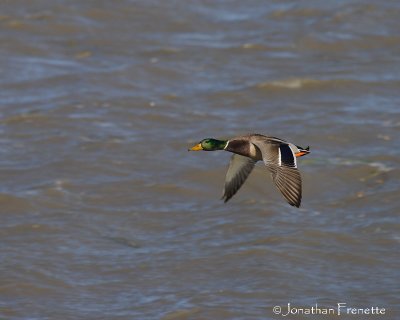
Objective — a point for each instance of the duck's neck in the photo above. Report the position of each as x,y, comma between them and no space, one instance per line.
241,147
219,144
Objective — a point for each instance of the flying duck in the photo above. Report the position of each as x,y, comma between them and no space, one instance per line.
279,156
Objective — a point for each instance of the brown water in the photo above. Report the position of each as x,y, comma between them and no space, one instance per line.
105,215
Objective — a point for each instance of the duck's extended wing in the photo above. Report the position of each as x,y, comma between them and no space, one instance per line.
280,160
239,169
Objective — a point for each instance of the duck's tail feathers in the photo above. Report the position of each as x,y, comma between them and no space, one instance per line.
302,151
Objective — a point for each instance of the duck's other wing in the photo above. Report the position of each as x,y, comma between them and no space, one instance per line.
239,169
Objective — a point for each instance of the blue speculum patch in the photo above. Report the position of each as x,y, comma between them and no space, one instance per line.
287,157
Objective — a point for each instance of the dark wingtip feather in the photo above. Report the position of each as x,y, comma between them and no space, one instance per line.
225,197
297,205
294,204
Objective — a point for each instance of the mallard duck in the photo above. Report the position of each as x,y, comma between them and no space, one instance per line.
279,156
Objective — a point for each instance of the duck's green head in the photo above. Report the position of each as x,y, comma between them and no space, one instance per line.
209,144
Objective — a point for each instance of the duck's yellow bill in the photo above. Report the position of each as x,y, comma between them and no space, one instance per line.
197,147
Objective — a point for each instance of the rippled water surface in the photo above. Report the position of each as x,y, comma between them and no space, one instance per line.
104,213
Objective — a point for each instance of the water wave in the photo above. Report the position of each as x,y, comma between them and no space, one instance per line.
305,83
